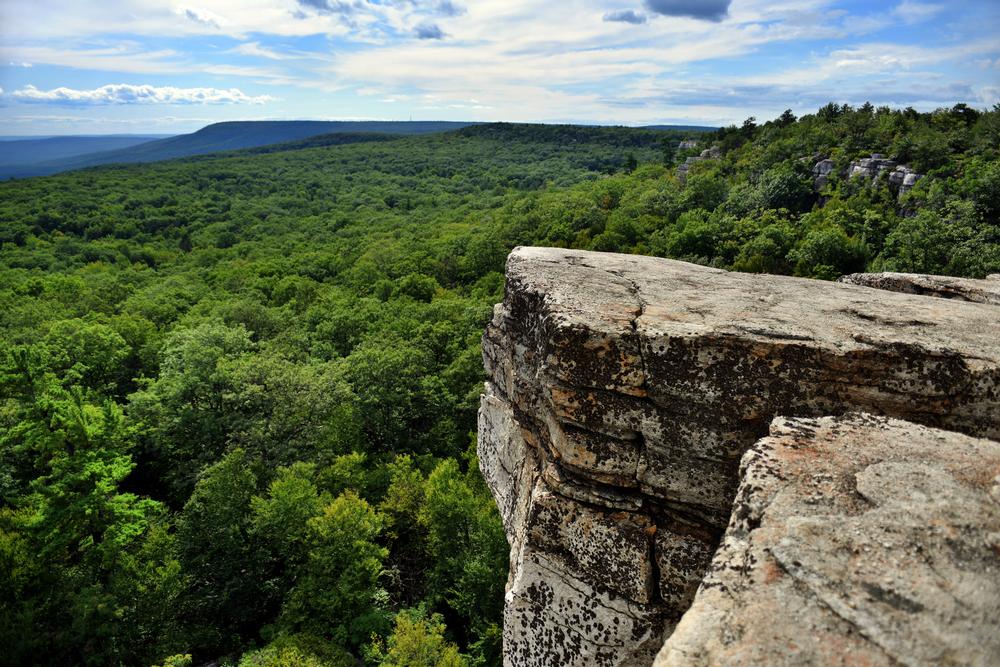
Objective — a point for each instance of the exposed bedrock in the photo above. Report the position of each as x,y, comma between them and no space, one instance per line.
946,287
856,540
624,391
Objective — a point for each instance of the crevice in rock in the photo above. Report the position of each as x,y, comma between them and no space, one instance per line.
691,388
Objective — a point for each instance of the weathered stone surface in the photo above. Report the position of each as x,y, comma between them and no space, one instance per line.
623,392
871,167
554,618
963,289
601,545
901,178
821,173
857,540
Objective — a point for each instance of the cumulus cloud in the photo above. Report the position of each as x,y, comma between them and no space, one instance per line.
123,93
625,16
705,10
428,31
19,64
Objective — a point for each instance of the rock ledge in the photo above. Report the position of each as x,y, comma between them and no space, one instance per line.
624,392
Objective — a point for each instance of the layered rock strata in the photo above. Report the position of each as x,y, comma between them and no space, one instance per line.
900,177
623,392
947,287
856,540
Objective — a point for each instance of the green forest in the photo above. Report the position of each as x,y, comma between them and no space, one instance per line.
238,392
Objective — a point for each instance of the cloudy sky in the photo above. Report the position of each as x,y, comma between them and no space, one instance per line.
168,66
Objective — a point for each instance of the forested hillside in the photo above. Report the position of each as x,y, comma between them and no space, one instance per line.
214,138
238,393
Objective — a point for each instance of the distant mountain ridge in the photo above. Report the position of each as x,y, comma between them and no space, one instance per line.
681,128
43,156
226,136
32,150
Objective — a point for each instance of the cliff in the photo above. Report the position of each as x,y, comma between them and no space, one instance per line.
624,392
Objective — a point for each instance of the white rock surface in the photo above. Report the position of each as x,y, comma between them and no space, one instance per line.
856,540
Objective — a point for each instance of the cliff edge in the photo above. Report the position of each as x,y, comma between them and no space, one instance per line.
624,392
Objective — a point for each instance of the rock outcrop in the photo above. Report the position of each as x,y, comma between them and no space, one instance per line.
821,173
900,178
947,287
623,393
712,153
854,541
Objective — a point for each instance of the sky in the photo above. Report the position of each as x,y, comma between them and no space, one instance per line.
173,66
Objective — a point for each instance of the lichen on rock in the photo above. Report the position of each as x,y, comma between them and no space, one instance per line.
623,393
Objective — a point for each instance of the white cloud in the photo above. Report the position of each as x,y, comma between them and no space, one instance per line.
129,57
255,49
119,57
912,11
516,59
205,18
73,19
122,93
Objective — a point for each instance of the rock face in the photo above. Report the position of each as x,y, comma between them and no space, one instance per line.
963,289
901,178
821,173
854,541
623,393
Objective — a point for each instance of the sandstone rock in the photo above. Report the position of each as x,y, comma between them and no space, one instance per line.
687,144
623,392
947,287
871,167
901,178
552,617
854,540
821,173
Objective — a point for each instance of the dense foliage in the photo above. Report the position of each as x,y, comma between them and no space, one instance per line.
238,393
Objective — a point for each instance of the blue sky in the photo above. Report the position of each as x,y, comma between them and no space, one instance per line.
166,66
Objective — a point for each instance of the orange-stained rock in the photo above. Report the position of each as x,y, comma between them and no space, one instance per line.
623,392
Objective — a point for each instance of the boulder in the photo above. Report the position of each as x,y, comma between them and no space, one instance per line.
854,540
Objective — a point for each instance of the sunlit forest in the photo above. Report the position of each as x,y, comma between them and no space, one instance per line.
238,392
